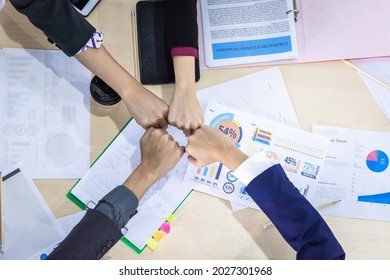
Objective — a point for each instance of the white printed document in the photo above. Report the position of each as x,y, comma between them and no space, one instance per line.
242,32
356,171
262,93
379,85
45,116
300,153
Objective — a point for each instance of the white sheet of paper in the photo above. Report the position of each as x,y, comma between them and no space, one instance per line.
299,152
356,171
67,223
380,69
239,32
30,226
263,93
45,121
116,164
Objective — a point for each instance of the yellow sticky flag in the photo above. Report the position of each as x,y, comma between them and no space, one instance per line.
158,235
152,243
169,219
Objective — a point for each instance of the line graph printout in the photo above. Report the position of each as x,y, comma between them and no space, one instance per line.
113,167
360,158
300,153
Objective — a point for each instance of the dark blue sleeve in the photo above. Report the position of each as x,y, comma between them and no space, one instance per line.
296,219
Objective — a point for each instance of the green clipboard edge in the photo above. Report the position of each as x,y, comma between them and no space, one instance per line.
80,204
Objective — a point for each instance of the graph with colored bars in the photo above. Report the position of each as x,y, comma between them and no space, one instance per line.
300,153
209,174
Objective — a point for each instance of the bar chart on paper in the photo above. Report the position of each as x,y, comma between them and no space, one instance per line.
210,172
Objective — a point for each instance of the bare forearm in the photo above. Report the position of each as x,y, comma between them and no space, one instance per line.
184,73
140,181
101,63
232,159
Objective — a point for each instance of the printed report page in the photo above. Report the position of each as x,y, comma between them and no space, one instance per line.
241,32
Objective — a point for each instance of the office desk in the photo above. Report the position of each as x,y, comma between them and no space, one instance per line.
204,227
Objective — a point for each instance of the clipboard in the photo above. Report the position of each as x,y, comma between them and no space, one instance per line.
123,149
154,58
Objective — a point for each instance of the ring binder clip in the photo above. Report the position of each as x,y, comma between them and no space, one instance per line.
89,204
296,12
124,230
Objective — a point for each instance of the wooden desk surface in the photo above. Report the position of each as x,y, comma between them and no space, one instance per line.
204,227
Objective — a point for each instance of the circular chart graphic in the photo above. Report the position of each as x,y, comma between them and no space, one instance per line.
227,124
377,161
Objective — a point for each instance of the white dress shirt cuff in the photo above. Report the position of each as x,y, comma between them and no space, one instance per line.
253,166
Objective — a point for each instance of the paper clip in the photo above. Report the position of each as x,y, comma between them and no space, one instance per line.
90,205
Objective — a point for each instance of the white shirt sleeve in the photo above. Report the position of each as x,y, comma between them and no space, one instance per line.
253,166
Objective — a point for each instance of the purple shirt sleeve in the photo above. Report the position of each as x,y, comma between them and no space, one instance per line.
184,51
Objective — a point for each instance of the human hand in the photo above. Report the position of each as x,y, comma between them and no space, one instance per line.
159,154
184,111
208,145
147,109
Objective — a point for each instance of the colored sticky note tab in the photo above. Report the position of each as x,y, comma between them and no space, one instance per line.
169,219
158,235
165,227
152,243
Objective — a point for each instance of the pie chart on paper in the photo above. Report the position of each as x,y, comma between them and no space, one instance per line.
377,161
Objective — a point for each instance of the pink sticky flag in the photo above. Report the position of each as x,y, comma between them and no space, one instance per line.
165,227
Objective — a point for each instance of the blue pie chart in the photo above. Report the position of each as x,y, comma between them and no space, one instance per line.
377,161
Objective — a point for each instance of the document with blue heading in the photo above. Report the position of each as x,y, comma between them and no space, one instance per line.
241,32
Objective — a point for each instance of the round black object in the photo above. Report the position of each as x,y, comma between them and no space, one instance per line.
103,93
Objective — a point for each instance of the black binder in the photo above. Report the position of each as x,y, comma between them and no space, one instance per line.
155,62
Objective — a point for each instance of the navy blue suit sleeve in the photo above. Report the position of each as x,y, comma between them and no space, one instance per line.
90,239
60,22
297,220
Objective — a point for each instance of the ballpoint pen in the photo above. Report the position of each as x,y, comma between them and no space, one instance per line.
366,74
270,224
2,245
